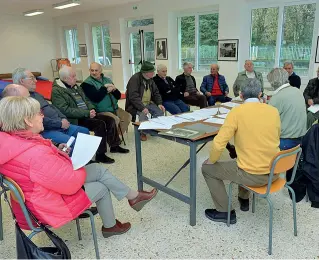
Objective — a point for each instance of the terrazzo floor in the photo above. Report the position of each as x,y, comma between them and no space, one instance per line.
162,230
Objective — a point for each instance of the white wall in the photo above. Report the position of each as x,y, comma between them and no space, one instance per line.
28,42
234,23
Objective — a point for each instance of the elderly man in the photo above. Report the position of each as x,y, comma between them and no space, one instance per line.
291,106
214,86
142,95
311,95
56,126
187,84
294,79
248,73
171,94
256,142
101,91
70,99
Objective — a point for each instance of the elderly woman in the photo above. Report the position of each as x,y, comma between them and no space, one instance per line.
291,106
54,192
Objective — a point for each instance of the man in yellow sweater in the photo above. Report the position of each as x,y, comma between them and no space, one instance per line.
256,130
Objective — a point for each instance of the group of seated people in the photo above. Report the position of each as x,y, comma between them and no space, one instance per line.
43,170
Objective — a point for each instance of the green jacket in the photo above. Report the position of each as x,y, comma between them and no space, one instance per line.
98,95
63,99
241,78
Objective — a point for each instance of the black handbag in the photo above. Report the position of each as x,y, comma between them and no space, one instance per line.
26,249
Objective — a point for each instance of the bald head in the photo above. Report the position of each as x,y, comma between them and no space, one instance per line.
15,90
214,68
95,70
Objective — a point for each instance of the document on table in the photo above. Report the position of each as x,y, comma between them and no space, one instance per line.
222,116
195,116
231,104
206,112
214,120
313,109
223,110
84,149
150,125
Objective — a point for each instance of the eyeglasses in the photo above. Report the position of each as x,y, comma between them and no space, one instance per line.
31,78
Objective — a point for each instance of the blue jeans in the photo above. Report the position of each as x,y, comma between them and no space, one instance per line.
212,99
63,135
176,107
286,144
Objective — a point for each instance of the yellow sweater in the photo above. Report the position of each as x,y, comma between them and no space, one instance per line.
256,131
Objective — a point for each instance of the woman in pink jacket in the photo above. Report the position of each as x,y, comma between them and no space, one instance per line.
54,192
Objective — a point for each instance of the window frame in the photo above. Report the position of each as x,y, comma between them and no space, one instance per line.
280,28
179,35
74,46
106,24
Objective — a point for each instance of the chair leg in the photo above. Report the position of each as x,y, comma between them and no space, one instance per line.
230,193
1,226
270,225
96,246
293,195
254,203
78,228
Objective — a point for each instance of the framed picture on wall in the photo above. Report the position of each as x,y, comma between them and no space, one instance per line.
116,50
83,50
228,50
161,49
317,51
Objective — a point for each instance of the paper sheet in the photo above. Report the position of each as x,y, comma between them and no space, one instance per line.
313,109
223,110
193,116
207,112
231,104
215,120
222,116
149,125
84,149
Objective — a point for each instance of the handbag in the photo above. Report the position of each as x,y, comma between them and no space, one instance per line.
26,249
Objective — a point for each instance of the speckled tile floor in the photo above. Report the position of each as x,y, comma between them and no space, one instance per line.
162,230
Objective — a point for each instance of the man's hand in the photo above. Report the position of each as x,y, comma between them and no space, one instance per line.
161,107
110,87
61,146
65,123
92,113
186,94
226,93
208,94
310,102
145,111
198,93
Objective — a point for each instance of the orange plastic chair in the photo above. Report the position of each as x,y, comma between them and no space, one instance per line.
282,162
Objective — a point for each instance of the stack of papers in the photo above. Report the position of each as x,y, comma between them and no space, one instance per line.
231,104
313,109
222,116
223,110
148,125
214,120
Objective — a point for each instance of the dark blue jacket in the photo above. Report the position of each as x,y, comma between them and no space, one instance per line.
208,82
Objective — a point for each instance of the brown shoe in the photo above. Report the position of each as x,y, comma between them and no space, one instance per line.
117,229
142,198
143,137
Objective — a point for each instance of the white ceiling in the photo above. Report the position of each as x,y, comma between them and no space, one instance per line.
17,7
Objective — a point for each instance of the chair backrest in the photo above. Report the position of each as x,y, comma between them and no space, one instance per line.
284,160
18,196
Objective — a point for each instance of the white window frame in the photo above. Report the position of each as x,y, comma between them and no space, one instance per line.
280,28
179,35
74,47
104,23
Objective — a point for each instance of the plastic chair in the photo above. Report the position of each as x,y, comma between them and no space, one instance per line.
18,196
282,162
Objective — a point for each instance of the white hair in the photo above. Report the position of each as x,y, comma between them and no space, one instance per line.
18,74
160,67
288,62
65,72
278,77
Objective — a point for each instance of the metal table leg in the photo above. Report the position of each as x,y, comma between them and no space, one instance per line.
192,183
1,224
138,158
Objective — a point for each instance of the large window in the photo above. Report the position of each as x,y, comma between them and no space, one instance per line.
72,44
198,39
282,33
102,45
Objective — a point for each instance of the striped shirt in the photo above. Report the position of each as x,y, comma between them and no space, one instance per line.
79,100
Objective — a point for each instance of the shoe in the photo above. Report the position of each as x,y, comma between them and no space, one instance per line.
232,151
142,198
119,149
117,229
85,215
102,158
244,204
217,216
143,137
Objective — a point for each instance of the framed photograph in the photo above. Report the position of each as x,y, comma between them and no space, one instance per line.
228,50
116,50
161,49
83,50
317,51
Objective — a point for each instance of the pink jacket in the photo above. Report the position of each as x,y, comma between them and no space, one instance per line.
53,190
